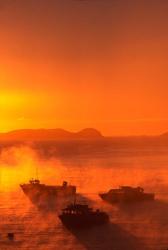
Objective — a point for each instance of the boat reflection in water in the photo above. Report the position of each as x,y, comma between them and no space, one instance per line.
48,196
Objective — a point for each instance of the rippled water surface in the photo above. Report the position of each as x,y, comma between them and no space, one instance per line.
132,227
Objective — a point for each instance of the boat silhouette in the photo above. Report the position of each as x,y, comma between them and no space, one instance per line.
127,194
78,215
48,196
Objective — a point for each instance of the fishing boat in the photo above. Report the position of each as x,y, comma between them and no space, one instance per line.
82,216
48,196
127,194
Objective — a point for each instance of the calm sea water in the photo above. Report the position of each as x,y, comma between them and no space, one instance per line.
93,167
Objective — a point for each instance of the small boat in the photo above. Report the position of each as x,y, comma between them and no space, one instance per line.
82,216
127,194
49,196
10,236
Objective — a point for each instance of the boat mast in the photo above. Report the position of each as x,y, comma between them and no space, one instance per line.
36,173
75,199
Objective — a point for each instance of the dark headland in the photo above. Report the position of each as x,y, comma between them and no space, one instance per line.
84,134
49,134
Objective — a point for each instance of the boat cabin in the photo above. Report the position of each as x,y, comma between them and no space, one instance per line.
77,209
34,181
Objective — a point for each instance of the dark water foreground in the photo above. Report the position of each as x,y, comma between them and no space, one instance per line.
131,227
93,168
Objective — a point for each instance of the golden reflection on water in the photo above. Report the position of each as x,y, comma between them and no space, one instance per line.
147,222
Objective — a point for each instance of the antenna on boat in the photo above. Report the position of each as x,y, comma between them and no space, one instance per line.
75,199
36,173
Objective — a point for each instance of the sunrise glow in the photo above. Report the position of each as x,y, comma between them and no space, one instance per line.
63,71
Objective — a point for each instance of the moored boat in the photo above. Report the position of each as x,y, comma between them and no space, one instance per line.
82,216
127,194
48,196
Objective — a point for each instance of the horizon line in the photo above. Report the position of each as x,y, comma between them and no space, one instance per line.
76,131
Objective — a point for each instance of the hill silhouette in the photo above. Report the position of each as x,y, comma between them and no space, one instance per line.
61,134
49,134
164,135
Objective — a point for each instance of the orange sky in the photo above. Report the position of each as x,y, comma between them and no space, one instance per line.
90,63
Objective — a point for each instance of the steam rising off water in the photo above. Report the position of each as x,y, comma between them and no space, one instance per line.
92,169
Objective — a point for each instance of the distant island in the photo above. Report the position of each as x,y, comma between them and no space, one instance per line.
49,134
164,135
84,134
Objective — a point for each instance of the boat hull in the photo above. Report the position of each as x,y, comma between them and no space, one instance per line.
122,198
81,221
49,197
